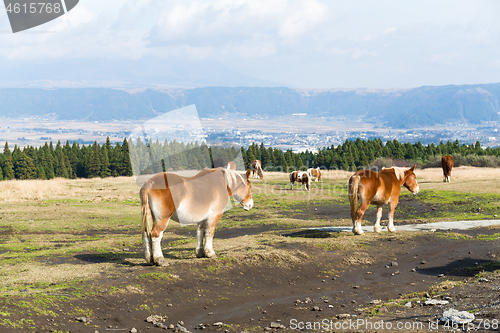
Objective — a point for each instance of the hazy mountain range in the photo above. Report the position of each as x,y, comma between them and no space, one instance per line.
396,108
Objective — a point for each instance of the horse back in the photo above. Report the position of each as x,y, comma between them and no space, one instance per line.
377,187
190,199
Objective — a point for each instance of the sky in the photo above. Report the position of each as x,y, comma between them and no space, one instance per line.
296,43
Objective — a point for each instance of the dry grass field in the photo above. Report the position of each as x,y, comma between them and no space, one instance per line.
72,249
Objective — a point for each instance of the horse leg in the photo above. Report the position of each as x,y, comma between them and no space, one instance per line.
210,225
356,229
392,208
377,228
156,236
200,234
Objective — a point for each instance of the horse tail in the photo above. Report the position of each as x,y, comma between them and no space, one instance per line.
353,195
147,217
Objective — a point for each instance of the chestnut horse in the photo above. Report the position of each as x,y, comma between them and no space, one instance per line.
379,188
257,167
314,173
199,199
447,165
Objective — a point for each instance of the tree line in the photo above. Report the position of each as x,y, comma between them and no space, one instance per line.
126,158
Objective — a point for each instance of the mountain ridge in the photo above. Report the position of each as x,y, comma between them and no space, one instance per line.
397,108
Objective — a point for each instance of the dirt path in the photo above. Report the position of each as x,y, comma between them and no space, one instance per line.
250,297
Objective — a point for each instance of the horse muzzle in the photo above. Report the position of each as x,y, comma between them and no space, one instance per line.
416,191
247,205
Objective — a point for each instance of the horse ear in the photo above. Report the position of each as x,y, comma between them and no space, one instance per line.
248,175
413,168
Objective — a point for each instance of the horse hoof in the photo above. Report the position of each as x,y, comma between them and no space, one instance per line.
200,254
392,230
211,255
161,262
377,230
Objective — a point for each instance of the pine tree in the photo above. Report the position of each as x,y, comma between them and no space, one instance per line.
126,168
105,171
8,169
93,165
24,168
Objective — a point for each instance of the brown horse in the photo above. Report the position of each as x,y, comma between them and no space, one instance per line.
300,177
314,173
199,199
447,165
257,167
378,188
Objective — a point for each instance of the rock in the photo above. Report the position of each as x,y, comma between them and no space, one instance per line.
383,309
375,301
356,287
219,324
330,306
423,262
343,316
483,280
408,305
455,316
435,302
440,275
308,300
275,325
133,330
316,308
83,319
394,263
171,326
180,328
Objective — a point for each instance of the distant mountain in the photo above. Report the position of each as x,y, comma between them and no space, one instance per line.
396,108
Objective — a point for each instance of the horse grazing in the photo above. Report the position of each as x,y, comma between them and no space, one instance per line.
302,177
314,173
257,168
378,188
199,199
447,165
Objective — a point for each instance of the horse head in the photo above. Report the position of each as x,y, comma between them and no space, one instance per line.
239,187
411,180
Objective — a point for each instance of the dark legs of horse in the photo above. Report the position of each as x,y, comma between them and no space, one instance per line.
356,228
156,236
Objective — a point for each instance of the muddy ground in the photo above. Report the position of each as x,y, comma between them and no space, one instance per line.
250,297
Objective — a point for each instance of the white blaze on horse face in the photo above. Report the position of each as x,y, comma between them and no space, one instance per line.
248,205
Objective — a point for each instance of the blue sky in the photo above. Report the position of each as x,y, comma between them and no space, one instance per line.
298,43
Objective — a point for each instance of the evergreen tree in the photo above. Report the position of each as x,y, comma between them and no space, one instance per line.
93,165
105,171
8,169
24,168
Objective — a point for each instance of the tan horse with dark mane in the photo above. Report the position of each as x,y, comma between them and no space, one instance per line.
379,188
200,199
257,168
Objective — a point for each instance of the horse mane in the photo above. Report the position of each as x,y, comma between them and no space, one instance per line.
231,177
400,172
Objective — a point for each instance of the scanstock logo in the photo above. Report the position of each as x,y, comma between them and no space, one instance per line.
26,14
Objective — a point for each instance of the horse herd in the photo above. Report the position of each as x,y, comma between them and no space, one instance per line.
203,198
